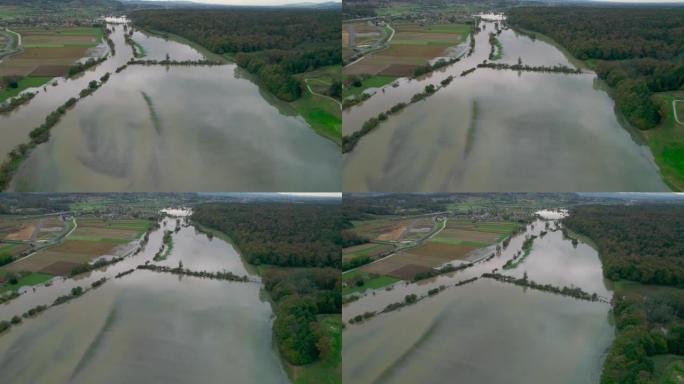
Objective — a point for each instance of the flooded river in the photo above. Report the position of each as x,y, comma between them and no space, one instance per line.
499,131
146,326
488,331
179,128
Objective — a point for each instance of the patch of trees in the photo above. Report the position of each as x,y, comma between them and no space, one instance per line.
643,243
291,235
528,68
83,268
635,81
40,135
82,67
441,63
11,82
168,61
166,246
283,234
17,101
520,256
350,141
299,297
350,102
638,49
409,299
496,50
352,9
648,323
366,206
440,271
274,44
222,275
574,292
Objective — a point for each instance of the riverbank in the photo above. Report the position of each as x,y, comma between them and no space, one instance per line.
323,370
323,118
666,141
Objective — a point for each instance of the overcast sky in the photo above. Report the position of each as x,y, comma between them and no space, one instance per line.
261,2
644,1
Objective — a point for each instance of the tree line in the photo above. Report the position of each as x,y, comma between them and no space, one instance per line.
304,236
637,49
642,243
274,44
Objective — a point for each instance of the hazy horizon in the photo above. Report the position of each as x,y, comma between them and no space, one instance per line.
255,2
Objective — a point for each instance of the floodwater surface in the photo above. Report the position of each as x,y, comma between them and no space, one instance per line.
499,130
169,128
148,327
488,331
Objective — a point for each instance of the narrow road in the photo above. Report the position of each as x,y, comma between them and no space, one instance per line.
402,248
319,94
49,243
18,37
384,45
674,110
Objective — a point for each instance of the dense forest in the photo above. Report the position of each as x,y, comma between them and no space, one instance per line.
643,243
283,234
306,239
274,44
637,50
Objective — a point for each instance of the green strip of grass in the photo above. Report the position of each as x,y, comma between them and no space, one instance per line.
667,142
329,370
25,83
28,280
374,283
365,251
144,225
320,113
7,247
371,82
669,369
99,239
452,241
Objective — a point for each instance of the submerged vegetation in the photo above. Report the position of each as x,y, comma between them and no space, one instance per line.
257,41
636,50
575,292
640,244
298,250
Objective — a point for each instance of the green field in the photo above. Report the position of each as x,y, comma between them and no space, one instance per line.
99,239
25,83
375,81
29,280
365,251
397,10
329,370
95,32
457,242
669,369
369,283
667,141
322,113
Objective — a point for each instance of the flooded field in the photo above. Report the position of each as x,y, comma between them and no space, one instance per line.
148,326
488,331
180,128
499,130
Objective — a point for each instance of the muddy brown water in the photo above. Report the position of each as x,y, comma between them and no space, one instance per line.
487,331
147,326
178,128
499,131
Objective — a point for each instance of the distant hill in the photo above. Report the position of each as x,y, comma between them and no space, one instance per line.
65,3
326,5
